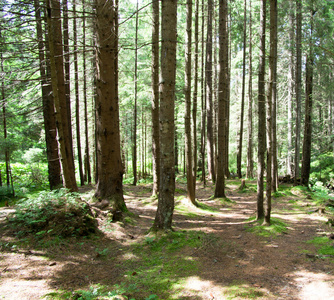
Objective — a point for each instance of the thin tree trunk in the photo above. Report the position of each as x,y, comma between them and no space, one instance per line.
49,117
155,98
134,158
239,150
59,92
187,92
261,113
291,88
195,95
222,96
250,164
208,78
298,87
307,142
87,154
77,98
164,214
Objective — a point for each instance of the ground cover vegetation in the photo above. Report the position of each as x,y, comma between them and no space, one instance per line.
166,149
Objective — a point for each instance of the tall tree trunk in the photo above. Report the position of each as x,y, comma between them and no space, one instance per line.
134,157
67,72
250,164
208,78
273,81
77,98
87,154
155,97
110,169
261,113
298,87
203,102
239,151
59,92
49,117
164,214
187,91
222,96
195,95
291,87
307,142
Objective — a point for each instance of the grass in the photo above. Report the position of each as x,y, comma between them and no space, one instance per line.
324,245
237,290
276,227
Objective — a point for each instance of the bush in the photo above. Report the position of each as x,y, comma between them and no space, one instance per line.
54,213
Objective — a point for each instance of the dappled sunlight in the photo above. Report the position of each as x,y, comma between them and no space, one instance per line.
314,286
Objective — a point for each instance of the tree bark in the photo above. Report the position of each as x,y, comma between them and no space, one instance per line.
110,169
208,78
298,87
155,98
261,113
239,150
250,164
164,214
77,98
59,92
49,117
187,92
222,96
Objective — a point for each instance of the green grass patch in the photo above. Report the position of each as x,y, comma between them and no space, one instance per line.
243,291
206,207
324,245
276,227
163,261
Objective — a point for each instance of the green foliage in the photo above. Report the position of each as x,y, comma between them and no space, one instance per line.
34,155
56,213
322,168
276,227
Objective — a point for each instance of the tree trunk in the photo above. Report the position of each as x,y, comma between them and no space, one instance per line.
59,92
261,113
77,99
110,169
49,117
291,88
195,95
250,164
239,151
298,86
208,78
155,98
307,142
164,214
87,154
222,96
187,92
134,158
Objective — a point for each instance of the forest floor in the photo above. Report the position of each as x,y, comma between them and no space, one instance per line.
216,251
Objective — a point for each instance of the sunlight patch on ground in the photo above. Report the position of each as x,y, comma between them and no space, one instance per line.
315,286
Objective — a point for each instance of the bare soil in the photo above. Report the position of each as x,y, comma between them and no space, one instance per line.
281,267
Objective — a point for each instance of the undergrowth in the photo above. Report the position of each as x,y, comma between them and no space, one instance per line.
276,227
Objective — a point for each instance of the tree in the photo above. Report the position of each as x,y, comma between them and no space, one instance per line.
298,87
164,214
307,142
239,151
110,169
250,165
49,117
208,79
59,92
187,92
261,112
155,97
222,97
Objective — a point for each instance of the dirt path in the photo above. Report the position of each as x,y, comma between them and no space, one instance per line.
283,267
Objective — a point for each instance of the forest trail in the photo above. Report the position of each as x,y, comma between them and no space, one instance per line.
232,261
